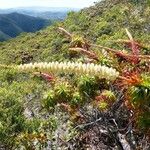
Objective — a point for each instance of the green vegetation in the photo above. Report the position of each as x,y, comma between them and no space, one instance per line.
13,24
62,109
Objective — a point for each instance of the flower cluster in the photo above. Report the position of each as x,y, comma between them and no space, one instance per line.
72,67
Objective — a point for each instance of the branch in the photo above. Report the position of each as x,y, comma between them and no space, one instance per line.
65,32
129,35
121,53
88,124
84,51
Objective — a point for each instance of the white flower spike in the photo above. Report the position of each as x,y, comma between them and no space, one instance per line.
71,67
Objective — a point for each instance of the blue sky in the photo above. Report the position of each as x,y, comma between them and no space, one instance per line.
46,3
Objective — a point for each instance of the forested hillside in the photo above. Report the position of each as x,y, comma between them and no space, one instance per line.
13,24
94,94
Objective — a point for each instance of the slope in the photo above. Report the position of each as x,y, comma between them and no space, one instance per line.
13,24
101,24
3,36
32,104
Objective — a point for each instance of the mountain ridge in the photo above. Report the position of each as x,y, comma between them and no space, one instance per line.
13,24
53,13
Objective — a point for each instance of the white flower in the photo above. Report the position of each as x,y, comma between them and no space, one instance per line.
71,67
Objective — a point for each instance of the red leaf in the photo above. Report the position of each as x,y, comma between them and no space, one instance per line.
47,77
44,76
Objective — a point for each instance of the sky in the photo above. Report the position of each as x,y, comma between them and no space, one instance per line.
46,3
